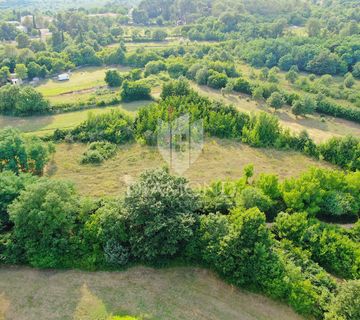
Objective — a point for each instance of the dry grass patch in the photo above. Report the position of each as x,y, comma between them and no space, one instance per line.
174,293
319,128
220,159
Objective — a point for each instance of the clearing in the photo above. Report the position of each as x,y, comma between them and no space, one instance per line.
174,293
81,81
45,124
319,128
220,159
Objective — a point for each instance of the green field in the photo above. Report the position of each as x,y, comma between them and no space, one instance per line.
46,124
174,293
82,83
220,159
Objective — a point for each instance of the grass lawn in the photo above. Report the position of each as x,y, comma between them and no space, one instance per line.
220,159
173,293
48,123
81,79
320,129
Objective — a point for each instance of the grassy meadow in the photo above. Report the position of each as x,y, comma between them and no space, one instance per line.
174,293
45,124
83,82
220,159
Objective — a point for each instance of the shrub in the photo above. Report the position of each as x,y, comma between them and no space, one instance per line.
98,152
116,254
262,131
11,186
44,222
217,80
345,306
114,127
175,88
113,78
132,91
161,217
276,100
154,67
243,86
23,154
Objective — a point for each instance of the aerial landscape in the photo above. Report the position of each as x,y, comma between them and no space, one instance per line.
179,159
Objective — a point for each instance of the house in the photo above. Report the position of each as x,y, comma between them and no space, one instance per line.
16,81
63,77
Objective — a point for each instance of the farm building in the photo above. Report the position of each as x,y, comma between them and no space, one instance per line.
63,77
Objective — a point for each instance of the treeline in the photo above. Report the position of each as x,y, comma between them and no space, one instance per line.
159,220
221,121
314,55
325,194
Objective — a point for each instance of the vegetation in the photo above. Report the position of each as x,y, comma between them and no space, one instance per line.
293,62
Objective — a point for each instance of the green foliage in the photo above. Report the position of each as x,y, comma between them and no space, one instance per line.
11,186
262,131
160,210
44,220
23,154
113,78
154,67
114,127
217,80
132,91
346,304
303,106
97,152
22,101
276,100
175,88
328,246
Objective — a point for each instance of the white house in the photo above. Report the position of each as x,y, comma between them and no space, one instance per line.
63,77
16,81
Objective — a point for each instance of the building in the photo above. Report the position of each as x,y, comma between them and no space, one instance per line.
16,81
63,77
44,34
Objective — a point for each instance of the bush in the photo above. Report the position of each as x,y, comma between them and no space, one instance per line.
154,67
243,86
23,154
114,127
113,78
262,131
175,88
11,186
276,100
23,101
217,80
132,91
328,246
44,222
345,306
161,217
98,152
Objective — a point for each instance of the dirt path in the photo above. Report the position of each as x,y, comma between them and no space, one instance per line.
176,293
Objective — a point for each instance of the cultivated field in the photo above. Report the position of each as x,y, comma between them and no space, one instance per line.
174,293
220,159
